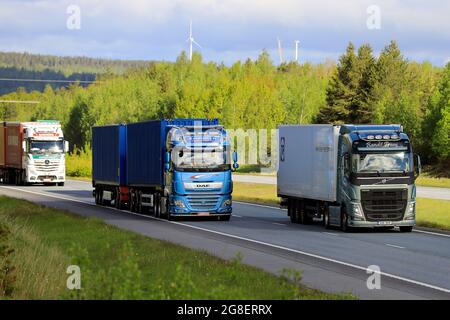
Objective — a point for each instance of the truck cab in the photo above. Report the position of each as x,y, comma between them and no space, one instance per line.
44,152
198,171
376,178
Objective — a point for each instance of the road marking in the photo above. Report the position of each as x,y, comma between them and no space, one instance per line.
331,234
279,224
259,205
235,215
394,246
244,239
432,233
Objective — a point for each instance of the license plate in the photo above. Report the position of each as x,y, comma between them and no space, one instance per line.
384,223
203,214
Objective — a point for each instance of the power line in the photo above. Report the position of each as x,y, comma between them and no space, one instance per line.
17,101
44,80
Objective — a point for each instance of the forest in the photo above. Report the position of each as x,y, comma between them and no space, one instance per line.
360,88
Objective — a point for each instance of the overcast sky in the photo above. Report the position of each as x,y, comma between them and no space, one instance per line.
227,30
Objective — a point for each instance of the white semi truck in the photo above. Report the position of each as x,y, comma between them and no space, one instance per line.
32,152
348,175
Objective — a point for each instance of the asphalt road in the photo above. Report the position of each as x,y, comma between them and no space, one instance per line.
413,266
422,192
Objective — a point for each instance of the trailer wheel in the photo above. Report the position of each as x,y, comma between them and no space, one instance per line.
117,202
157,206
326,219
133,201
292,210
60,184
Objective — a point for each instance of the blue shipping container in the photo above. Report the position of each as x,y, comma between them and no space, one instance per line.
146,147
109,155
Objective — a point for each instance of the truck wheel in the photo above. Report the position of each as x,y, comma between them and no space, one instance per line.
292,210
157,206
225,218
117,202
326,219
60,184
406,229
344,221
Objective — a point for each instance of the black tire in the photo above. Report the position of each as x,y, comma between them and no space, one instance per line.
302,216
344,220
406,229
117,202
326,219
292,211
60,184
97,201
157,206
225,218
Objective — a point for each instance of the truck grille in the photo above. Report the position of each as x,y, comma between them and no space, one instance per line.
384,205
51,166
204,202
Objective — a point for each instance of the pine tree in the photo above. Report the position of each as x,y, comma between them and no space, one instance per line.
340,91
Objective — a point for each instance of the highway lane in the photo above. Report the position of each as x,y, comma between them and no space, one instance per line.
422,192
414,266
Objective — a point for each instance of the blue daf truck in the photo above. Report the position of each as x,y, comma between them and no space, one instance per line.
170,168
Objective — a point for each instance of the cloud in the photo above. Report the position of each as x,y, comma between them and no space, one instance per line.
227,29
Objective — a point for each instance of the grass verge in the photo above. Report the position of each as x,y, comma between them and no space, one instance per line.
37,244
429,212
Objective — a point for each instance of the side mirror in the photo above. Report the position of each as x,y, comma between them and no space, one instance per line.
24,146
235,156
167,161
66,146
235,159
417,165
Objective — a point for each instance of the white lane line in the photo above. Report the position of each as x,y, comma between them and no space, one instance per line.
394,246
279,224
235,215
259,205
331,234
246,239
432,233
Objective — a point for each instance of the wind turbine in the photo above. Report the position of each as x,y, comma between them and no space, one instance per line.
280,51
191,41
296,50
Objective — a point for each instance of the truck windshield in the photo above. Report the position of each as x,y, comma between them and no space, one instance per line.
376,162
200,159
46,146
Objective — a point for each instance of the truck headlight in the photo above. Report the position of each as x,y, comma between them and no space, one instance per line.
410,210
357,210
226,203
179,203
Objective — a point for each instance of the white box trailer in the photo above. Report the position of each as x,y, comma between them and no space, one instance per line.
308,162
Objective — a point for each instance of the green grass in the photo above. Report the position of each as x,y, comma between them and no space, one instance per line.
426,180
429,212
433,213
37,244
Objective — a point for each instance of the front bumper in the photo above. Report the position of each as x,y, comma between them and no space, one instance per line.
379,224
184,205
358,219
